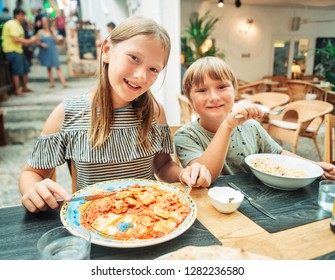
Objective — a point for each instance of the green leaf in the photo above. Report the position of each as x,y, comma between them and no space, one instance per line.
197,32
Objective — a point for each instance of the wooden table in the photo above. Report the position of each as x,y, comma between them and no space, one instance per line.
236,230
20,230
309,241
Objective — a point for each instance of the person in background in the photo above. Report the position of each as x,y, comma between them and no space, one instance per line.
60,21
12,46
110,26
28,50
210,86
46,38
38,20
115,131
5,15
72,24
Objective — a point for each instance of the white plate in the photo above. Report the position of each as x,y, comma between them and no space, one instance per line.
70,214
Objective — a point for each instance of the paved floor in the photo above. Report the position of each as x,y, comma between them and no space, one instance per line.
14,157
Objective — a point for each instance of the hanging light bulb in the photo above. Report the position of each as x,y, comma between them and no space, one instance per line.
220,3
238,3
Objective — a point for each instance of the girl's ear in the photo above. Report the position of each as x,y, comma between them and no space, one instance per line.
106,46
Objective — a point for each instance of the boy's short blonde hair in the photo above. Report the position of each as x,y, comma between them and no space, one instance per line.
214,67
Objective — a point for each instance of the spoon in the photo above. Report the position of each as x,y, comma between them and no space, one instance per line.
272,112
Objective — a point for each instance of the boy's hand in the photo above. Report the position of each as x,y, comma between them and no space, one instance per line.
329,170
195,175
242,113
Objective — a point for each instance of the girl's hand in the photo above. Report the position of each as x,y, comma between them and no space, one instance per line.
44,195
329,170
247,111
195,175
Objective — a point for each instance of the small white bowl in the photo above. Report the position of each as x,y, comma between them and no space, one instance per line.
220,199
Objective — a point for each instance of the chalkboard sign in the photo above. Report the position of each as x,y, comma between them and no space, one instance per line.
86,43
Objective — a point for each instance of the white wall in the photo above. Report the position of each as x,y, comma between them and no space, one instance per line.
103,11
270,24
167,87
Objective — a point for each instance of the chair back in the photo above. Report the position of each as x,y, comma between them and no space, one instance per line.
305,112
270,99
173,129
329,138
186,109
249,88
299,119
298,90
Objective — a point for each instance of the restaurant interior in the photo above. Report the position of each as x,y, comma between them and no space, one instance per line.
264,41
282,52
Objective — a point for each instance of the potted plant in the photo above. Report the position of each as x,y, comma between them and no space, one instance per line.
198,41
327,55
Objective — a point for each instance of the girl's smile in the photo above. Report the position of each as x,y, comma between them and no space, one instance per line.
134,66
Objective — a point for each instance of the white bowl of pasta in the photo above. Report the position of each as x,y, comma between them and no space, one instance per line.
283,172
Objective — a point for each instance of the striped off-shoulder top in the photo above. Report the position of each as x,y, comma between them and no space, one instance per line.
120,157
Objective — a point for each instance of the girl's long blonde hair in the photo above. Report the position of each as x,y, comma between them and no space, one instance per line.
102,113
214,67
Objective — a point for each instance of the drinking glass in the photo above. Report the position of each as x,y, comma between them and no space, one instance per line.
326,195
65,243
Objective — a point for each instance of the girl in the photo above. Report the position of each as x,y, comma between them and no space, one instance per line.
116,131
48,54
218,139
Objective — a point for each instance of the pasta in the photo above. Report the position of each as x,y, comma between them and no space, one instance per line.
275,168
137,212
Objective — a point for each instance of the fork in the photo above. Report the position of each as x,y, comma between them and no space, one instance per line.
185,192
278,111
271,112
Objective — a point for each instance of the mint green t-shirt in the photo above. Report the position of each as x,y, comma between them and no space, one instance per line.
249,138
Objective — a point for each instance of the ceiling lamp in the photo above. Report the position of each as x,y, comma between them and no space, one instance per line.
238,3
220,3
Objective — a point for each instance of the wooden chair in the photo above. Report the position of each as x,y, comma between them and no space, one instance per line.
270,100
187,112
173,129
312,78
299,119
329,138
241,82
249,88
73,178
298,90
278,78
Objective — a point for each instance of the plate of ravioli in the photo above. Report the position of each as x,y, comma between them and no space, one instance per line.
136,213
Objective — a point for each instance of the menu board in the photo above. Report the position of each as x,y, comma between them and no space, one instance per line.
87,44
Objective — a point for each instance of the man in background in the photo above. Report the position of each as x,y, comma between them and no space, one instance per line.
12,46
110,27
5,15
